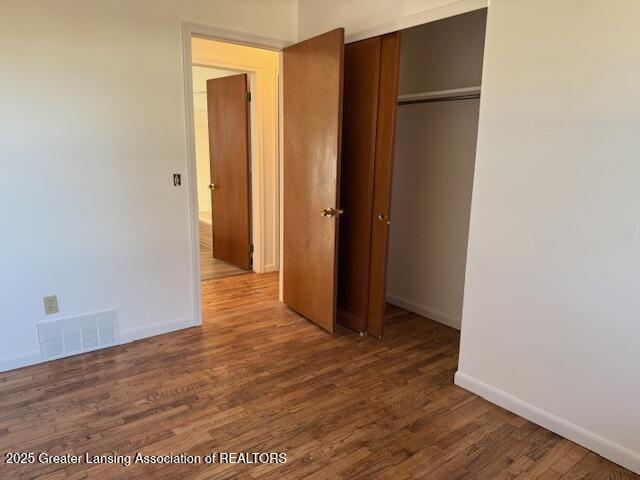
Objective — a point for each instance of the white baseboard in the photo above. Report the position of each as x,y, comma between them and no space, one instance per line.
602,446
32,358
134,334
126,336
271,267
430,313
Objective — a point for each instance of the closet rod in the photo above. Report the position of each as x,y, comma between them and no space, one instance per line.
464,93
439,99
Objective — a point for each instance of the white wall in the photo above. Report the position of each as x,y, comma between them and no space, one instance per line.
551,321
433,169
367,18
92,127
433,176
201,123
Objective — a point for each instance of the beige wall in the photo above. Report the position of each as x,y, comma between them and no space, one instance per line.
200,77
263,70
433,172
551,321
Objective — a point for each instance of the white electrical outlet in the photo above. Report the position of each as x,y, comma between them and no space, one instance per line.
50,304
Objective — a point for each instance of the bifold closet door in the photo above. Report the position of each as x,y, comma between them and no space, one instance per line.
312,113
383,176
361,75
371,92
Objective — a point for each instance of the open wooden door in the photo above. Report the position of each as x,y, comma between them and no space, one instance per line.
371,91
228,115
312,86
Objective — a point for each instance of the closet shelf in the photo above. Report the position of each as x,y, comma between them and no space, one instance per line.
440,95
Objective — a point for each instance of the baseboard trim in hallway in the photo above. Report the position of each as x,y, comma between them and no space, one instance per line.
602,446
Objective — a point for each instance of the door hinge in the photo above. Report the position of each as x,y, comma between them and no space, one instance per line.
248,96
251,249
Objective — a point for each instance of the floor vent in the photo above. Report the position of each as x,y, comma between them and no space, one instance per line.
70,336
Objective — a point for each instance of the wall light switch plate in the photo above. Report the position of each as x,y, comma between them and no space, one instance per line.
50,304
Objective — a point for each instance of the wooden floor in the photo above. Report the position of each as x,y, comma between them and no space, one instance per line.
210,267
205,230
258,378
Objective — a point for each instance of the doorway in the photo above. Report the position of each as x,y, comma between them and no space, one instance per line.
235,150
438,111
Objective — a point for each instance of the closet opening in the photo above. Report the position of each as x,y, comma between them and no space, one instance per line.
408,157
436,134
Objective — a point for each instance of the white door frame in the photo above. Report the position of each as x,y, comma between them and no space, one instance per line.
190,30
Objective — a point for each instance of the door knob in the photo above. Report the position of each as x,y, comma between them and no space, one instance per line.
381,217
212,186
331,212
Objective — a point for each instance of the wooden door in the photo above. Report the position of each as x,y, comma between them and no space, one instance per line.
228,115
371,91
312,102
385,152
359,126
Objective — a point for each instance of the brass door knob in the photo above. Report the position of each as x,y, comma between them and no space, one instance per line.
382,218
331,212
212,186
